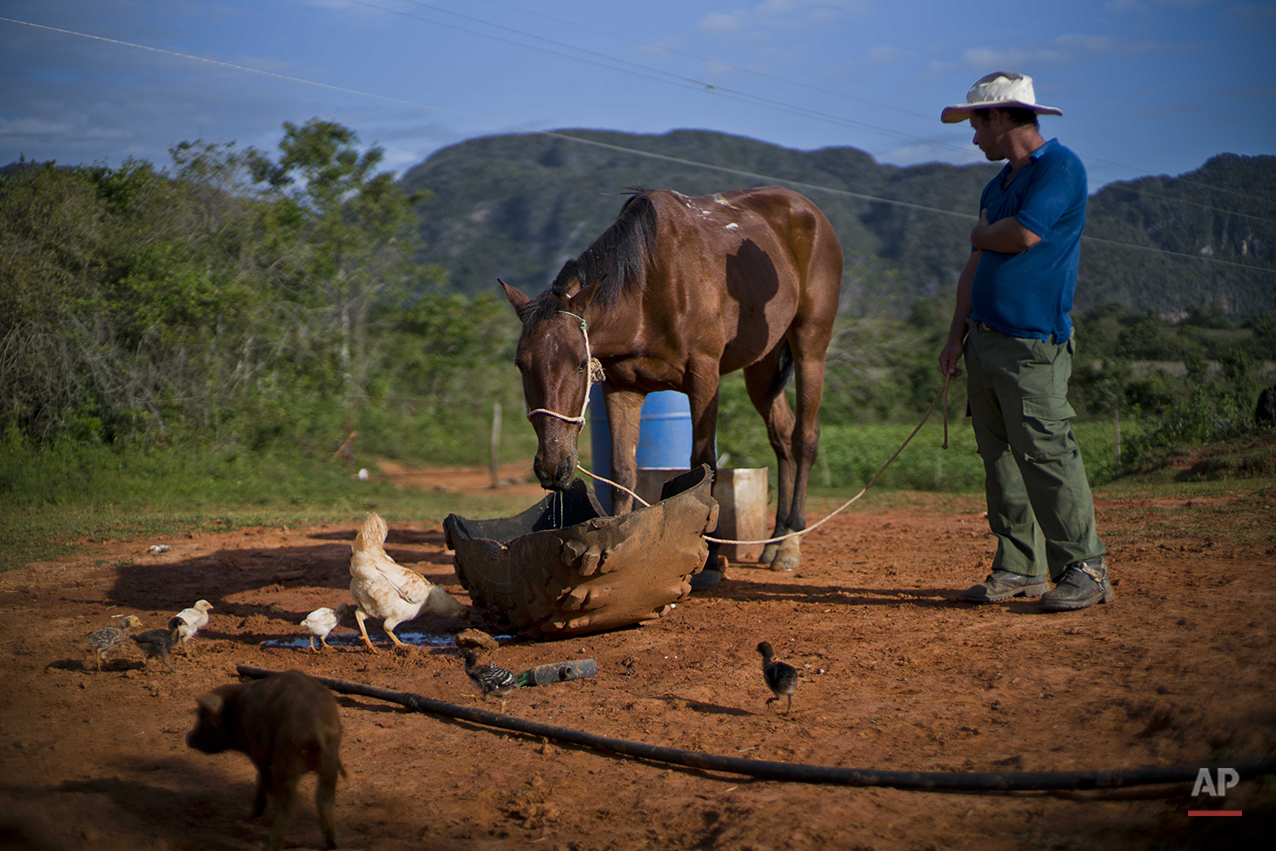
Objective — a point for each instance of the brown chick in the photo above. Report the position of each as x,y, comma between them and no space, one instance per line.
104,640
385,590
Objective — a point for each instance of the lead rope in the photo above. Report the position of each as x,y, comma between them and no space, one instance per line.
844,506
595,375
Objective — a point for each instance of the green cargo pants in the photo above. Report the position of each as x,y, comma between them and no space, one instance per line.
1039,503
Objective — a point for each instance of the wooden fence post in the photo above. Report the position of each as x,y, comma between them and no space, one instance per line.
496,444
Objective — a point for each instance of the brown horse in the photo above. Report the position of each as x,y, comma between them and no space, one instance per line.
677,292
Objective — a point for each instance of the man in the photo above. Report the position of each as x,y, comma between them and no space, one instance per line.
1011,323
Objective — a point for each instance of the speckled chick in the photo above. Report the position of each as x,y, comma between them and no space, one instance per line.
780,678
102,641
320,622
489,679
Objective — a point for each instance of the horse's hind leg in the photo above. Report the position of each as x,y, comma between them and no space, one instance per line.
759,380
805,446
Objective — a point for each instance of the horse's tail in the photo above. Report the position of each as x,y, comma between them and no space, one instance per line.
783,371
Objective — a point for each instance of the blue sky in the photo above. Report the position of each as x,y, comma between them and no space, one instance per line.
1146,86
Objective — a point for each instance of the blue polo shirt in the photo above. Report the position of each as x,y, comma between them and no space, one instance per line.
1029,294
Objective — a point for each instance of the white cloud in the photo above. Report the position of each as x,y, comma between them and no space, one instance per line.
399,160
1009,59
885,54
916,153
32,127
874,57
716,70
1088,43
661,49
777,7
65,130
764,16
721,23
1251,17
1119,7
1068,47
1177,110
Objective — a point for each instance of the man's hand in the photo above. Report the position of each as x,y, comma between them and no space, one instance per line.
949,356
1006,236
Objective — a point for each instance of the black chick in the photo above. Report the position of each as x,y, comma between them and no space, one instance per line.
157,643
489,679
780,678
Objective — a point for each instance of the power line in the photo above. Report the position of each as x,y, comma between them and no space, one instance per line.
712,88
720,62
1184,254
820,90
576,139
573,53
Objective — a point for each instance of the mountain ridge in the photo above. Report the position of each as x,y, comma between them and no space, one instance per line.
518,205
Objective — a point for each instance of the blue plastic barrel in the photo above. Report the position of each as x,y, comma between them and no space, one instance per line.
664,436
600,443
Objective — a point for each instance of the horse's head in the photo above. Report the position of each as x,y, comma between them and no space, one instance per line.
553,358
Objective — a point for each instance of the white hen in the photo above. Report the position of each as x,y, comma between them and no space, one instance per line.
385,590
320,622
192,621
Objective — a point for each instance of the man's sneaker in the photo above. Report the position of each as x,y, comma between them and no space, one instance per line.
1002,585
1083,584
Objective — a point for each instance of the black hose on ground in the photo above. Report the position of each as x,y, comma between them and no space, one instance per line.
927,781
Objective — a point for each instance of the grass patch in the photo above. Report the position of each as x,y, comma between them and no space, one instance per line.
851,455
57,500
1253,457
31,534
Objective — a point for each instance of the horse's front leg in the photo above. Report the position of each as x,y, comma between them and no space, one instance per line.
703,401
624,416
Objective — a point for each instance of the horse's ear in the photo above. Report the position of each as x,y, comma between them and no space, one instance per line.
516,297
568,282
582,299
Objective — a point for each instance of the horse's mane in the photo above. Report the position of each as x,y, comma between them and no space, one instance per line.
616,261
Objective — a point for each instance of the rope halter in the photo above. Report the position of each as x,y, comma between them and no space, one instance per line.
593,375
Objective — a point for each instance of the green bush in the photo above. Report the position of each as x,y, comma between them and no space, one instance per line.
1205,418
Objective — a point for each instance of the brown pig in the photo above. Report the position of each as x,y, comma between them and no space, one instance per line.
288,725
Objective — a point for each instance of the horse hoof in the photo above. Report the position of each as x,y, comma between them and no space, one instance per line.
769,553
789,557
707,578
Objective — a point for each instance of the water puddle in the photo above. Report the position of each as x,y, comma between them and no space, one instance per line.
416,639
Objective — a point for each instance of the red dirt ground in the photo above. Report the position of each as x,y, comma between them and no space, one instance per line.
896,674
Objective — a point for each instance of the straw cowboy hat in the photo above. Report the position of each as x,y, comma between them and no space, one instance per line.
998,90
